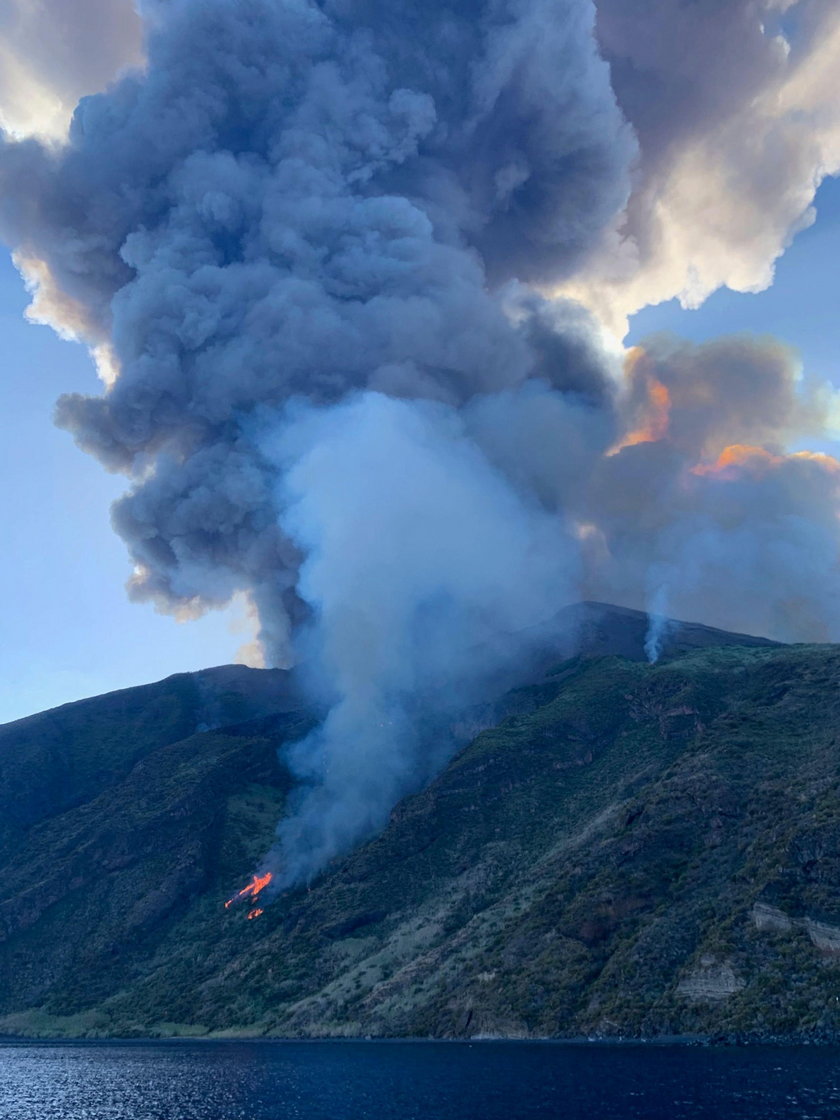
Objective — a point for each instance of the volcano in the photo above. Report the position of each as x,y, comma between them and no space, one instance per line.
631,850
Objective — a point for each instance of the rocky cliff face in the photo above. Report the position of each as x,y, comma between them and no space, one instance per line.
634,850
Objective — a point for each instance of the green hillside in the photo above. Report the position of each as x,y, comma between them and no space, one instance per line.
635,851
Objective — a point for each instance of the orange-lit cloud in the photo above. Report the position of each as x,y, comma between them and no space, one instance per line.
656,410
741,458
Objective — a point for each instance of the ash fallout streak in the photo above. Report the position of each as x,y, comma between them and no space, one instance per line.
311,247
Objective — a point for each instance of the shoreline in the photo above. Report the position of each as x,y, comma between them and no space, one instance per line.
715,1042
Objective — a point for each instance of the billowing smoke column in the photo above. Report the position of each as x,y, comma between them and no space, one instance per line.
420,556
300,199
306,246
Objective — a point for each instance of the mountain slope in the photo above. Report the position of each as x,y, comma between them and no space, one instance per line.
635,850
65,757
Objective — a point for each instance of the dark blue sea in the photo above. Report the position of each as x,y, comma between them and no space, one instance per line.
413,1081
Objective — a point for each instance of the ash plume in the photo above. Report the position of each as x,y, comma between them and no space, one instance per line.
310,245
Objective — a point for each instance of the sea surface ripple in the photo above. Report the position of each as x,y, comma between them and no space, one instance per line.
413,1081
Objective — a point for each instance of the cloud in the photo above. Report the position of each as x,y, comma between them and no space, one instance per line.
53,52
700,510
734,105
259,214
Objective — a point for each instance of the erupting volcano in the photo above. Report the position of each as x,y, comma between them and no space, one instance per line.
343,266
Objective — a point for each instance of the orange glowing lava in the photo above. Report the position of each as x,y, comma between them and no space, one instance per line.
254,914
256,886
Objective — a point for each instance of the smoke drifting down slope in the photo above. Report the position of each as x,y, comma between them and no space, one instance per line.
309,246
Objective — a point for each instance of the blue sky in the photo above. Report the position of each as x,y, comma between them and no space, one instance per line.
69,629
800,308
